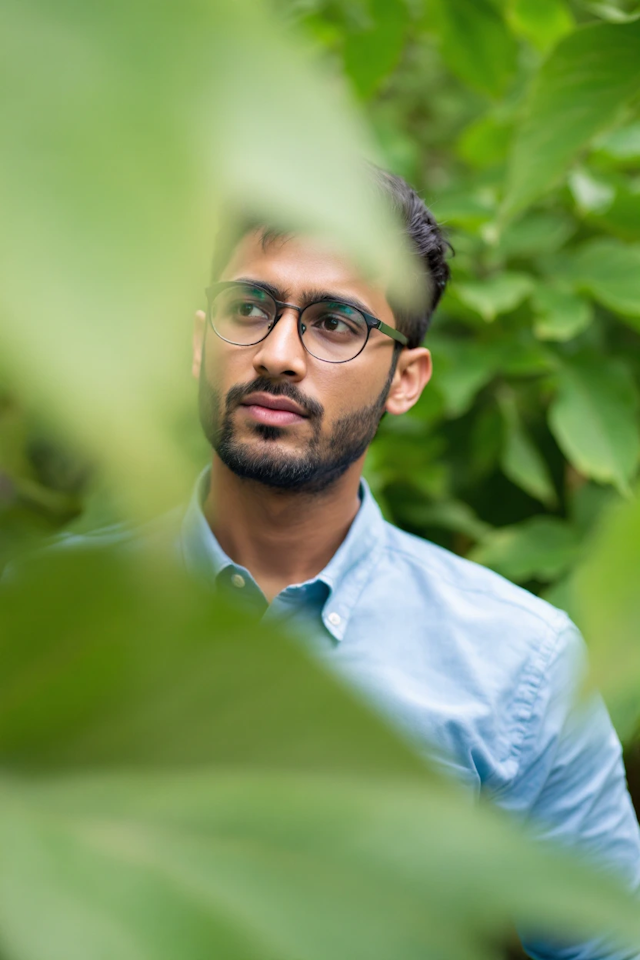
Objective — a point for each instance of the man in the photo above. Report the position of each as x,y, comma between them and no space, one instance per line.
298,357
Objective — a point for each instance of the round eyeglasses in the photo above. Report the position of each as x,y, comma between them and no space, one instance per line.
330,330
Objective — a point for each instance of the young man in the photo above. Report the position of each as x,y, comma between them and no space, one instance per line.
298,357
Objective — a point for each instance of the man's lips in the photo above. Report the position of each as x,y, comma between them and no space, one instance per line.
273,411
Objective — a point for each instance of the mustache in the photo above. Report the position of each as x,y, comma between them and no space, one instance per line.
312,408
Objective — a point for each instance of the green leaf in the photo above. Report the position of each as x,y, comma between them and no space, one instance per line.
475,43
592,194
608,599
196,786
485,141
594,419
587,77
461,369
88,189
560,314
498,294
541,22
621,216
610,272
537,232
621,144
541,548
521,461
371,54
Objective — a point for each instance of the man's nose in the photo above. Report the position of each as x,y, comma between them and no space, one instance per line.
281,354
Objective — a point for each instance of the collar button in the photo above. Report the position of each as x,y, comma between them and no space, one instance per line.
238,581
334,619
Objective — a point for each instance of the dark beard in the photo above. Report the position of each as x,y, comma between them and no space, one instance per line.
319,464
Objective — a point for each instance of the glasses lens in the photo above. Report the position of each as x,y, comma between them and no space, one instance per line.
242,314
333,331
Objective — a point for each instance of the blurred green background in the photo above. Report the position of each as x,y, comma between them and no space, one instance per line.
133,134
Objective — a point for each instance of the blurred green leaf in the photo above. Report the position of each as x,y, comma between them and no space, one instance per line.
537,232
110,139
498,294
461,369
560,313
606,590
484,142
475,43
588,76
621,144
542,22
610,272
592,194
594,419
541,548
521,460
196,785
372,52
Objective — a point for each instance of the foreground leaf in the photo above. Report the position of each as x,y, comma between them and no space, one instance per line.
606,593
270,814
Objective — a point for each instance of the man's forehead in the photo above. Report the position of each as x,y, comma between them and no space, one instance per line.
296,263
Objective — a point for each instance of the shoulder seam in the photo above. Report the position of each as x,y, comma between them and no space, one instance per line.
549,623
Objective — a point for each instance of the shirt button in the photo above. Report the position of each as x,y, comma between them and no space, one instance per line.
238,580
334,619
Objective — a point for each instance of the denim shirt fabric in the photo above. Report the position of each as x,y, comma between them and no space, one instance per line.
477,673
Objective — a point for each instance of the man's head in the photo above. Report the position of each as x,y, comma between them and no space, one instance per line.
289,411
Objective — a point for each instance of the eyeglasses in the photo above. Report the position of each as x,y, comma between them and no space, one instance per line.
245,314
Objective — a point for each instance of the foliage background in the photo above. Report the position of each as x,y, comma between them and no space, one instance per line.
519,122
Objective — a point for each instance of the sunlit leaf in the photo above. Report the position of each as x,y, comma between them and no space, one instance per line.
594,419
542,22
587,77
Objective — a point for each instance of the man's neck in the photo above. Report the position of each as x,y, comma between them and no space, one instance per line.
280,537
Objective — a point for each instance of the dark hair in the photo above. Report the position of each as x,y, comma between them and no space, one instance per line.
426,241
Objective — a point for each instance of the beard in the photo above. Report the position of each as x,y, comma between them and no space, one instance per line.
321,460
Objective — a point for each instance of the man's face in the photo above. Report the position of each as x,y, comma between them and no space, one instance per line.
273,412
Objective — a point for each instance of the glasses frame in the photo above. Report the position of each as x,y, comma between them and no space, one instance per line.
373,323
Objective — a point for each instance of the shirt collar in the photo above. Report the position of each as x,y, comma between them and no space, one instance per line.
345,575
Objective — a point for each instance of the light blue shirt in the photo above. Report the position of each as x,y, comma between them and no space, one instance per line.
478,674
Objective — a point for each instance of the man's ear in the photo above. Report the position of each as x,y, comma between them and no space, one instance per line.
198,342
411,377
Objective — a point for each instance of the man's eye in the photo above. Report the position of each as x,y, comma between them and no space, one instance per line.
333,324
249,310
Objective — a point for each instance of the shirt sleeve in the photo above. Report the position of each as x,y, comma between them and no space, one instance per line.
571,787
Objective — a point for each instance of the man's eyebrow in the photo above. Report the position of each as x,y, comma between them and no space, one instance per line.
308,296
316,296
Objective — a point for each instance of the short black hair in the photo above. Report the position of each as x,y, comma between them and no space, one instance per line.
426,241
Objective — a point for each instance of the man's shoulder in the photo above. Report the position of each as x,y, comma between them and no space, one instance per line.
444,574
